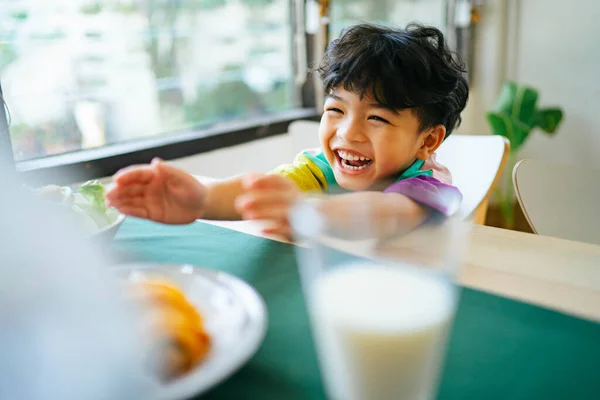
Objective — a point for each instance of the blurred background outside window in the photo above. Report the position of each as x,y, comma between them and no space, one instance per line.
83,74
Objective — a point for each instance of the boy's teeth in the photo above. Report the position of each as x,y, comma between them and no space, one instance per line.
351,157
353,167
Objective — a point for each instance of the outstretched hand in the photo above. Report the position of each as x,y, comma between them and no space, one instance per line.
268,197
158,192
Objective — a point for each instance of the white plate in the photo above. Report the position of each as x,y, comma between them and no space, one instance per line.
109,232
235,317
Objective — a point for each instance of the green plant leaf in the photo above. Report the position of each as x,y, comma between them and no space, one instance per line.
548,119
518,102
514,130
500,125
505,98
524,105
514,114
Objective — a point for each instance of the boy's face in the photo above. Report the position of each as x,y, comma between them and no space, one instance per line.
367,144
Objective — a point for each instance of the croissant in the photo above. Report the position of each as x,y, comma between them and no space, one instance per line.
179,340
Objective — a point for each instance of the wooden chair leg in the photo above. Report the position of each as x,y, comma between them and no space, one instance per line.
480,213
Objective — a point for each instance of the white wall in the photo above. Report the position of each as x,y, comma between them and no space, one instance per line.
559,53
552,45
258,156
488,68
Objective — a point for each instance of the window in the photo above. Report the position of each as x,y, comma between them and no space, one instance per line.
95,85
387,12
81,74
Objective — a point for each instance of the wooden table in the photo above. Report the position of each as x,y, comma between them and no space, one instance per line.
553,273
549,272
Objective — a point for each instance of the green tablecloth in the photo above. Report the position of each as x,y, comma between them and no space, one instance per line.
499,348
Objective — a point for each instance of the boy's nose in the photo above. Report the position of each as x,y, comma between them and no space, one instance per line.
351,133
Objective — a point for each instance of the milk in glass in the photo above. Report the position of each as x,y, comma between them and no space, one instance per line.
380,331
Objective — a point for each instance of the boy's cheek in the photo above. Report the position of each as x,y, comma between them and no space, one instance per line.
329,156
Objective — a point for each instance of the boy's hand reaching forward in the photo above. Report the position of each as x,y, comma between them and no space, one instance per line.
158,192
268,197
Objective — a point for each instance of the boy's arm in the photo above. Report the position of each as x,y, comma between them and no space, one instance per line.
169,195
403,206
221,196
166,194
373,214
220,199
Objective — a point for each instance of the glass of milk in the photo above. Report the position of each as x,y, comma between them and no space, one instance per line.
380,308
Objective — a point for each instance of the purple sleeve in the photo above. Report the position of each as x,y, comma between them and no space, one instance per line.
429,192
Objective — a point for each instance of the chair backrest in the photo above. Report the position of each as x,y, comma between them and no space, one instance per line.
475,161
559,200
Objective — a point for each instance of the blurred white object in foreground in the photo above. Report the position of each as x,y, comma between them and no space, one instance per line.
64,332
380,305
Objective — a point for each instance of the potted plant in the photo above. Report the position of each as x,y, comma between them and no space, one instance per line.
515,115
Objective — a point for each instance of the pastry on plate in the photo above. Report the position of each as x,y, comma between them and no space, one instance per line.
179,340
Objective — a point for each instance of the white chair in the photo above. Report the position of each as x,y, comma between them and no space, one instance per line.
475,161
559,200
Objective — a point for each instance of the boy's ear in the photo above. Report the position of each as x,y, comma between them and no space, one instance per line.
431,140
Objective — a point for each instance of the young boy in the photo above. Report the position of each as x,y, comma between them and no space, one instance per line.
393,96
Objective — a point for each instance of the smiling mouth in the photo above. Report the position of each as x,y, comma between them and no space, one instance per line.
353,162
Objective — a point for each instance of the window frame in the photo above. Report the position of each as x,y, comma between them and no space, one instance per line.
6,150
104,161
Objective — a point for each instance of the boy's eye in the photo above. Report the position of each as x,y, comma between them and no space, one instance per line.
376,118
335,110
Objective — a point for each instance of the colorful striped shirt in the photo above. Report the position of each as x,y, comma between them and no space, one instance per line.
312,173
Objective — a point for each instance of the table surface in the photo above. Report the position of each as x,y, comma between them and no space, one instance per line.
549,272
555,273
499,348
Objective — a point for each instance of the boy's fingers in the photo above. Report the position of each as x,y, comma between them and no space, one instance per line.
260,182
439,171
174,176
127,202
133,211
165,168
135,174
249,178
138,201
119,192
277,212
277,226
264,198
279,229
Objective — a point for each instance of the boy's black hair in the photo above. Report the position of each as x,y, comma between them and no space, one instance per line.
401,68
